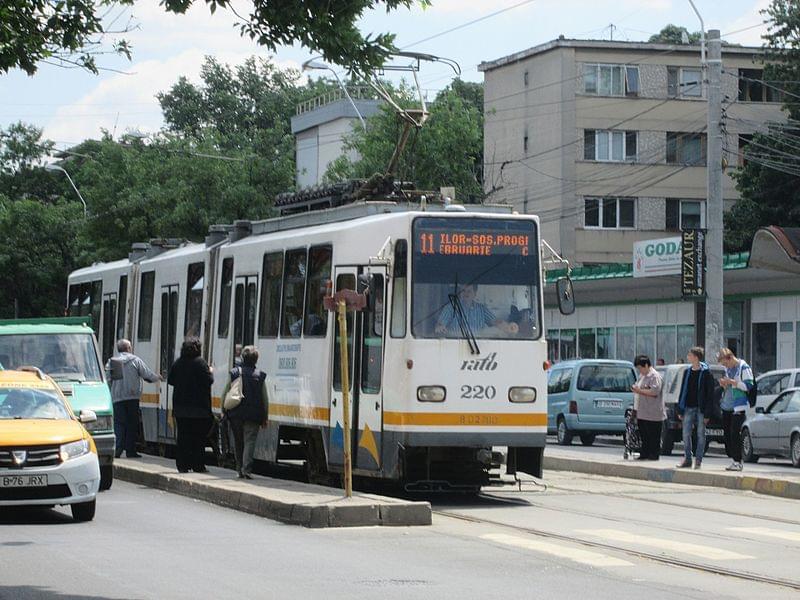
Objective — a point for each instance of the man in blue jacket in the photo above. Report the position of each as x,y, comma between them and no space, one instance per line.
737,383
696,401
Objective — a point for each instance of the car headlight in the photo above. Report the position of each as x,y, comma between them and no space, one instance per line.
74,449
103,423
431,393
522,394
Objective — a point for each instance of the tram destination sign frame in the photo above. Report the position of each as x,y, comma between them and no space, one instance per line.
693,263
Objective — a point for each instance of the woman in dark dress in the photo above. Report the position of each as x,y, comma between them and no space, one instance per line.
191,378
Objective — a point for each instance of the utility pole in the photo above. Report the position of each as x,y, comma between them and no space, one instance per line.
714,207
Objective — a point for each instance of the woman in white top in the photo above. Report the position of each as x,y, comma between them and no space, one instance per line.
648,407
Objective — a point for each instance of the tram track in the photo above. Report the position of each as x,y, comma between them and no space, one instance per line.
642,554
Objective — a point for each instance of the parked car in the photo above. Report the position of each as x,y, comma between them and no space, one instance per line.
46,455
772,383
66,350
588,397
774,431
672,431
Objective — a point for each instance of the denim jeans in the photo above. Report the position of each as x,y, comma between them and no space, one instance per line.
693,417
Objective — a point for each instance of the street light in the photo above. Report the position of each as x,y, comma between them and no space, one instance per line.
52,167
313,64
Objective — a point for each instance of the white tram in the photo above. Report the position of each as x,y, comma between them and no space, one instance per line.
448,361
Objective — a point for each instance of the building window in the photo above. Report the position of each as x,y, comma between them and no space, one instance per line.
586,343
666,340
525,141
684,83
610,213
646,341
605,342
615,146
744,141
525,78
686,148
610,80
686,339
765,347
685,214
752,88
567,344
626,343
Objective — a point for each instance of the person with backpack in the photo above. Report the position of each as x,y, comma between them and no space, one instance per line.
695,406
739,386
245,404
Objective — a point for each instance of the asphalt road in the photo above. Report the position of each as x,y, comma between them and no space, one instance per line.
582,537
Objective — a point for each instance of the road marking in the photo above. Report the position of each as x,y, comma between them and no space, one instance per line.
594,559
708,552
792,536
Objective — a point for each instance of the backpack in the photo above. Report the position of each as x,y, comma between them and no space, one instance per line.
234,396
752,394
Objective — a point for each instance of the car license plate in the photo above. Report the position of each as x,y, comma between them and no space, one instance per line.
714,432
608,403
15,481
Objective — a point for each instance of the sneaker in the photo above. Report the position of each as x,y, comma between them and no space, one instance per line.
698,463
686,464
734,466
133,455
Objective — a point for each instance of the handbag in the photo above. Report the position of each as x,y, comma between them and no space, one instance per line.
234,396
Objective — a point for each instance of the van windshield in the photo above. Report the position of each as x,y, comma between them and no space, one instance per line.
63,356
606,378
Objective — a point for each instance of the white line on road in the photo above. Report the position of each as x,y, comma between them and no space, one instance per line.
792,536
594,559
708,552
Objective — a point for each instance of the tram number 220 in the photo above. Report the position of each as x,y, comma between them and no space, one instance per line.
478,392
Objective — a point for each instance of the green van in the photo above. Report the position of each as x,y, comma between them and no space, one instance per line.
66,350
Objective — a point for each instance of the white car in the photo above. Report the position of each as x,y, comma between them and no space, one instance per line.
772,383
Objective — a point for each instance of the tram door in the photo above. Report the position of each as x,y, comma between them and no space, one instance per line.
167,342
244,312
109,325
365,354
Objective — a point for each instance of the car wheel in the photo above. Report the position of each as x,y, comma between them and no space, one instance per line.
83,511
106,477
667,443
795,446
747,448
587,439
563,434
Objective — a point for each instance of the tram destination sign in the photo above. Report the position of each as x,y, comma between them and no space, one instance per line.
471,242
693,263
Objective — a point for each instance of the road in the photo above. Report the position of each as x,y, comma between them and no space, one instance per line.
580,537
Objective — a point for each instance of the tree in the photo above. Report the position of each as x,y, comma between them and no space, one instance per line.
447,151
769,181
73,31
672,34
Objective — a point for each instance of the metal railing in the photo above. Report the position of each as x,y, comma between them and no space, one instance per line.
334,95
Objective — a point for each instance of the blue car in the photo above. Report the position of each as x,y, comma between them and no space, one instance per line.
588,397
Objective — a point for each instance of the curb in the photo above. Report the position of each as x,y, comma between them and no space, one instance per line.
368,510
761,485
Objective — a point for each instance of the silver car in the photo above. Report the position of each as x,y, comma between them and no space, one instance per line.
774,431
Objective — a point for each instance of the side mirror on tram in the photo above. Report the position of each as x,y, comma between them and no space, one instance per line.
566,297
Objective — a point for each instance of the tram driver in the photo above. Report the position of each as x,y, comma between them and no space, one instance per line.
476,314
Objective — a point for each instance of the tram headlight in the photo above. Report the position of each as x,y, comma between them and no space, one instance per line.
431,393
522,394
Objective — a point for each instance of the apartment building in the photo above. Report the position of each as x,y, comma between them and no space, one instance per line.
606,141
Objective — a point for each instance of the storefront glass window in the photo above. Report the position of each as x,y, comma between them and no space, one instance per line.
646,342
586,340
552,345
626,343
685,341
765,346
734,326
605,342
567,347
666,343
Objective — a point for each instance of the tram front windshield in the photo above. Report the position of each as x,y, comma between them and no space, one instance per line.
475,277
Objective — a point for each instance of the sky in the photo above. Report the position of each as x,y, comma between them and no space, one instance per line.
72,105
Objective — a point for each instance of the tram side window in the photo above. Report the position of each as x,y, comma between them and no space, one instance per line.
122,306
74,300
96,302
319,272
225,289
85,300
195,282
372,343
399,287
269,314
294,281
343,282
146,306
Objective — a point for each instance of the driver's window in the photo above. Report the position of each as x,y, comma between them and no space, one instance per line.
552,383
780,404
794,403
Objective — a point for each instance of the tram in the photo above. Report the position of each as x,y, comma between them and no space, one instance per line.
449,357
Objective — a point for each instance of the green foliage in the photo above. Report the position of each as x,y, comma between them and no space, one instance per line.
21,147
68,32
672,34
768,183
447,151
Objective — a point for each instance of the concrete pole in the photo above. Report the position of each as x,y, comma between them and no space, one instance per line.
714,207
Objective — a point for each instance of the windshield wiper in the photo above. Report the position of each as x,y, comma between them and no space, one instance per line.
466,330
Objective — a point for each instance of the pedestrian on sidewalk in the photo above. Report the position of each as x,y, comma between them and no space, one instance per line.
126,372
695,403
648,406
251,414
738,381
191,378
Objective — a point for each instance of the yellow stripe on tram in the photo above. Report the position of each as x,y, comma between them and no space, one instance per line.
316,413
465,419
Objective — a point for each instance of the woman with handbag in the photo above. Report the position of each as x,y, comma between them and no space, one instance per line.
191,378
648,404
245,404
